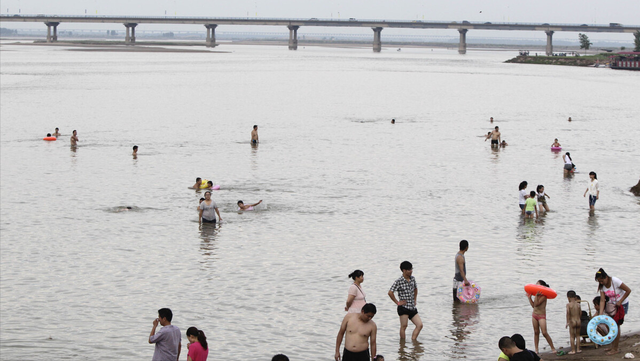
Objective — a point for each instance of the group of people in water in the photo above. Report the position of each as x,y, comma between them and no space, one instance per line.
612,300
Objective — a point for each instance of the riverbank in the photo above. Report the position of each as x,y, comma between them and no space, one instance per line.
628,343
585,60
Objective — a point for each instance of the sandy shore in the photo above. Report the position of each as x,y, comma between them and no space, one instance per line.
628,343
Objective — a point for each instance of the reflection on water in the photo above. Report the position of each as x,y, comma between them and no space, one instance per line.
410,352
465,317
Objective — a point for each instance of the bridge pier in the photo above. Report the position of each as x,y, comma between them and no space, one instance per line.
377,39
549,42
462,47
54,37
293,37
130,38
211,35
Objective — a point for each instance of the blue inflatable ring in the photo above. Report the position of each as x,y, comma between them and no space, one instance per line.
602,320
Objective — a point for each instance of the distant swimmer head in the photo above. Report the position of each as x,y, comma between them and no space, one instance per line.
569,119
497,127
523,185
240,203
556,139
255,127
48,134
592,173
532,194
74,132
355,274
210,183
135,147
393,121
542,283
198,179
129,207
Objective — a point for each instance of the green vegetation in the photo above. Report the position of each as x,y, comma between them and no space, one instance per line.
584,60
637,40
584,42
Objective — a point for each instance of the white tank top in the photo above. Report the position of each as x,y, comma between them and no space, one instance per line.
567,160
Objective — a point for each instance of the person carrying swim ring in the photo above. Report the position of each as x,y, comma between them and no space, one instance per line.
569,167
539,317
617,292
356,297
461,269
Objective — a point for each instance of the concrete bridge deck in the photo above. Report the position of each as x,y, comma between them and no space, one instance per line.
293,24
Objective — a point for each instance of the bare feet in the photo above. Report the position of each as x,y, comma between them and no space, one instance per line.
572,352
613,352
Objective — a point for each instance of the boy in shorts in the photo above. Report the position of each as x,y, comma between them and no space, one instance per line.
530,206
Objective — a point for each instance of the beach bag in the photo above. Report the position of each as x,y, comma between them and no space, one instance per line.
619,315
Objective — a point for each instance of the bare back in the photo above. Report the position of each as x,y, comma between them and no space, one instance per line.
358,333
574,311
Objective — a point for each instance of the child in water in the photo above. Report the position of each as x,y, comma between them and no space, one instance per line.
530,206
573,322
243,207
522,193
541,198
539,317
555,144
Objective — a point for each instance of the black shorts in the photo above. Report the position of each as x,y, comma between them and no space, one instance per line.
204,220
355,356
494,141
405,311
253,141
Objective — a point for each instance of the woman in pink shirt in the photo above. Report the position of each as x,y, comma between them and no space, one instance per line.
198,348
356,298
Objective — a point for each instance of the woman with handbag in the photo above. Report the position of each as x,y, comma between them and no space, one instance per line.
618,305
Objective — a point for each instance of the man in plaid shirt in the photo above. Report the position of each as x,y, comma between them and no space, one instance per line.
408,293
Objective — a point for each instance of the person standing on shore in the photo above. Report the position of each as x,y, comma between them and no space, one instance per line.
167,340
356,298
74,138
408,294
461,269
361,332
593,190
254,135
617,292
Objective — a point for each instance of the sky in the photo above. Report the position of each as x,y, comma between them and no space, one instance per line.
528,11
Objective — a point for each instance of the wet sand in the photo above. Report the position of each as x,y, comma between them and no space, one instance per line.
629,343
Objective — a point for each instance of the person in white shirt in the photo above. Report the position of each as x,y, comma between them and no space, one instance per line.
593,190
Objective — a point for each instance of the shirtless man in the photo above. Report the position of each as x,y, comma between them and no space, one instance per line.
254,135
573,322
74,138
198,183
495,137
57,133
461,269
360,332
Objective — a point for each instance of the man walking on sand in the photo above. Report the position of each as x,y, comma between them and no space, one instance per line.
361,332
167,339
408,294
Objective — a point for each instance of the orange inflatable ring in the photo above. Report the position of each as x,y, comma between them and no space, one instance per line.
49,138
545,291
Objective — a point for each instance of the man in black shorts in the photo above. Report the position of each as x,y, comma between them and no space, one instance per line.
495,137
408,293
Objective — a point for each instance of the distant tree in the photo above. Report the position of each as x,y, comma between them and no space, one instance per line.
637,40
623,47
584,42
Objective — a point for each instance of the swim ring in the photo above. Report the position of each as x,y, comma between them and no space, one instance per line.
49,138
469,294
203,185
546,291
216,187
593,327
556,148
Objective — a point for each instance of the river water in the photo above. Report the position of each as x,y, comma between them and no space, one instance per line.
342,189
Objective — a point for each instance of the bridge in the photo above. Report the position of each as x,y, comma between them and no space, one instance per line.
293,24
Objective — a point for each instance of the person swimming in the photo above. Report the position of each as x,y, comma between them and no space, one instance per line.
555,144
243,207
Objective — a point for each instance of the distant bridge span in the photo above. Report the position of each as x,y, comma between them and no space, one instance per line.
210,23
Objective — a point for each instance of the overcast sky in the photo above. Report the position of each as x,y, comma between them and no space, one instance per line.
541,11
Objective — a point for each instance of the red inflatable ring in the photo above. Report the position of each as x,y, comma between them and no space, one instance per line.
49,138
545,291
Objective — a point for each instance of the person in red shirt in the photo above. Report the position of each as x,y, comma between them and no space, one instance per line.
198,347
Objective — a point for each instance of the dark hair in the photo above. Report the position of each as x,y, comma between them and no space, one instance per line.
135,147
496,127
578,298
519,341
597,299
571,294
198,179
74,131
532,194
464,244
209,182
205,193
255,126
48,134
280,357
594,174
379,358
543,283
369,308
568,155
601,274
240,202
540,186
355,274
406,265
201,199
199,334
165,313
522,185
505,342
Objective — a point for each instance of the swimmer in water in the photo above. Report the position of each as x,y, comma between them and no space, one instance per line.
487,136
495,137
555,144
254,135
198,183
135,150
48,135
569,119
209,185
393,121
74,138
491,119
503,144
198,207
57,133
249,207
